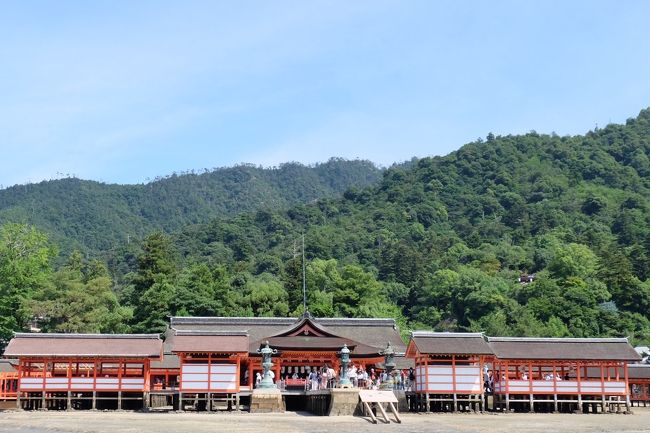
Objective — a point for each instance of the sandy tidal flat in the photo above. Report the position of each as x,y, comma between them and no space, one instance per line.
123,422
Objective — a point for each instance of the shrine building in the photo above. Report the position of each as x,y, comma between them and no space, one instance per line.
450,369
91,371
217,357
216,363
551,374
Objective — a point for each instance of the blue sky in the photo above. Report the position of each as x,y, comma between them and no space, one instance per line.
123,91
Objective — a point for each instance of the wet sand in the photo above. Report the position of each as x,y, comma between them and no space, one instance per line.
132,422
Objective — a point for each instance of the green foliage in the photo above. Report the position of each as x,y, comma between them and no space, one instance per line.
266,296
446,238
25,266
436,243
572,260
80,299
151,291
96,217
154,307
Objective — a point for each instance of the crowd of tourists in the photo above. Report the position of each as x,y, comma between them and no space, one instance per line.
359,376
489,378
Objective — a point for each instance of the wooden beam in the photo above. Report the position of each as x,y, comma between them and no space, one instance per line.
383,412
395,413
369,411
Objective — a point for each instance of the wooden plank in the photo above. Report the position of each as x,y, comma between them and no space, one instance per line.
394,410
376,396
369,411
383,413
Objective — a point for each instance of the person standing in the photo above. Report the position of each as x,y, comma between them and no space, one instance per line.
331,376
323,377
360,372
313,379
352,374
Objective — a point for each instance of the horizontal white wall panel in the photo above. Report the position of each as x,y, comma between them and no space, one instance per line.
27,386
106,386
133,386
440,387
561,386
195,385
469,370
133,380
223,377
194,368
224,368
223,385
56,380
185,377
82,380
440,379
468,379
447,371
107,380
468,387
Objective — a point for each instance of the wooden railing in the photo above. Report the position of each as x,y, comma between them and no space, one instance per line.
525,386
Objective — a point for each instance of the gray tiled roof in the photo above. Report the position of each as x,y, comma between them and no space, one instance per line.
450,343
638,371
169,361
85,345
372,332
601,349
8,365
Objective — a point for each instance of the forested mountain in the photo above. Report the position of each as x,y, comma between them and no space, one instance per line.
94,216
439,244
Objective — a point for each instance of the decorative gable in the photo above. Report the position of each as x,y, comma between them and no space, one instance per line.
306,327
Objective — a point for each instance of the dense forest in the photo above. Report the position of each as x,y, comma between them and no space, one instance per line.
92,216
438,244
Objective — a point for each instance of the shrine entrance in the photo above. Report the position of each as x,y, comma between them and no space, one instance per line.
295,368
306,347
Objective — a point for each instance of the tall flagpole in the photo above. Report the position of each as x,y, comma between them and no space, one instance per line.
304,282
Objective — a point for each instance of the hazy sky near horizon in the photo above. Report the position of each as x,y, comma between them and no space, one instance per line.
123,91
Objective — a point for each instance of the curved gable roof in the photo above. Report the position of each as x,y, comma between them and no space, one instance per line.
305,326
375,333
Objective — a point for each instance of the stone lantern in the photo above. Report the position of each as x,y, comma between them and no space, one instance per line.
389,365
267,364
344,382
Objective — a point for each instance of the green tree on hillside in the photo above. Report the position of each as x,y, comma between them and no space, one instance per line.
25,268
80,299
152,292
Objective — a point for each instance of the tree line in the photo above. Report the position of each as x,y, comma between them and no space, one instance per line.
439,243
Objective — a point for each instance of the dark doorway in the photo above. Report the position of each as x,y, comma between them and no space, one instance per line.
295,403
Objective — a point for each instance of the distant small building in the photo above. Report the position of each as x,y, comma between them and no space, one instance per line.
526,278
